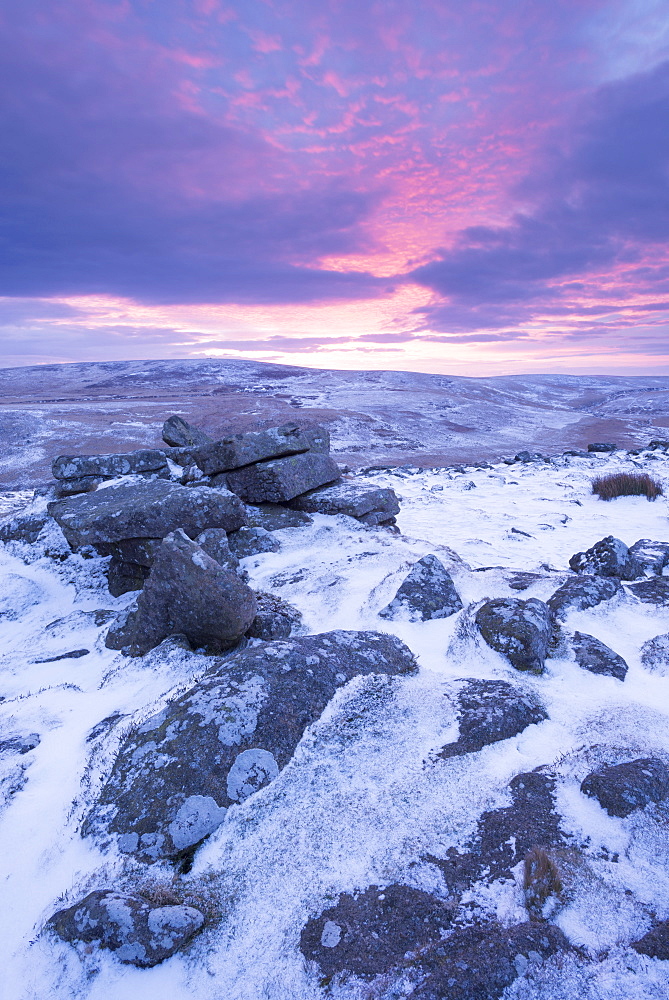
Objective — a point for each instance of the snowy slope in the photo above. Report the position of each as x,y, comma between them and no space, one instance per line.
365,798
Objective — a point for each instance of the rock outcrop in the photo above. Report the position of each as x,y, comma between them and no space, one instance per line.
371,505
282,479
427,592
608,557
623,788
519,630
595,656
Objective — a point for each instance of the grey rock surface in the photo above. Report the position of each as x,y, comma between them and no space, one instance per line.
519,630
652,591
655,655
426,593
580,593
239,450
655,943
145,510
83,484
141,551
228,736
623,788
608,557
138,933
248,541
133,462
124,577
23,528
601,447
214,541
370,932
274,517
352,499
178,433
595,656
490,711
189,593
275,618
284,478
20,744
652,556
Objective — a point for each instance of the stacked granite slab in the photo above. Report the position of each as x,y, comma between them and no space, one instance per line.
84,473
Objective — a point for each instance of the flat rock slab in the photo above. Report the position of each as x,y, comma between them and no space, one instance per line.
228,736
189,593
145,510
519,630
283,479
653,591
595,656
274,517
623,788
580,593
608,557
490,711
351,499
428,592
239,450
138,933
133,462
370,932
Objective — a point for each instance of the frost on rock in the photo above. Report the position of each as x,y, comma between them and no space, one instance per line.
581,592
229,736
519,630
597,657
652,591
490,711
427,592
127,925
651,556
608,557
623,788
655,655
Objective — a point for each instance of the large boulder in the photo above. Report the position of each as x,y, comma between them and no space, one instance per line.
128,925
608,557
178,433
490,711
145,510
595,656
283,479
651,556
228,736
427,592
580,593
519,630
189,593
366,503
274,517
652,591
655,655
108,466
623,788
239,450
370,932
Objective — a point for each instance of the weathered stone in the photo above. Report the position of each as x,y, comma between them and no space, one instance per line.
580,593
651,556
121,630
239,450
653,591
427,592
138,933
180,434
124,577
522,581
655,655
529,456
490,711
479,963
595,656
77,466
371,932
214,541
351,499
575,453
145,510
83,484
252,541
655,943
72,654
20,744
228,736
519,630
189,593
283,478
141,551
274,517
608,557
24,528
658,443
275,618
601,447
623,788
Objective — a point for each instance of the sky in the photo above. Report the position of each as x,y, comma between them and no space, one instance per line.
477,188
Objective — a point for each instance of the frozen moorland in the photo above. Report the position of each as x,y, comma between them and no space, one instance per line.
367,798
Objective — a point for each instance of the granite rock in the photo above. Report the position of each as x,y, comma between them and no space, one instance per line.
283,479
427,592
519,630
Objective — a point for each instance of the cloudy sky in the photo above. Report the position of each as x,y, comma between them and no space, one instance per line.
434,185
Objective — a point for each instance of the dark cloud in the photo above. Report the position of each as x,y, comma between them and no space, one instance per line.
601,198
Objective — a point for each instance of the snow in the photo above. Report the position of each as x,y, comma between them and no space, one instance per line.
365,798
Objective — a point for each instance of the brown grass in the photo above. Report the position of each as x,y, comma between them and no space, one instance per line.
626,484
541,880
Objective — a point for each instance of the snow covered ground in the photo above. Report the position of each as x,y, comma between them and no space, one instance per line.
365,799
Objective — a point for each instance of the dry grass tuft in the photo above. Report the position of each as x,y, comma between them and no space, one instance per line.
541,882
626,484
